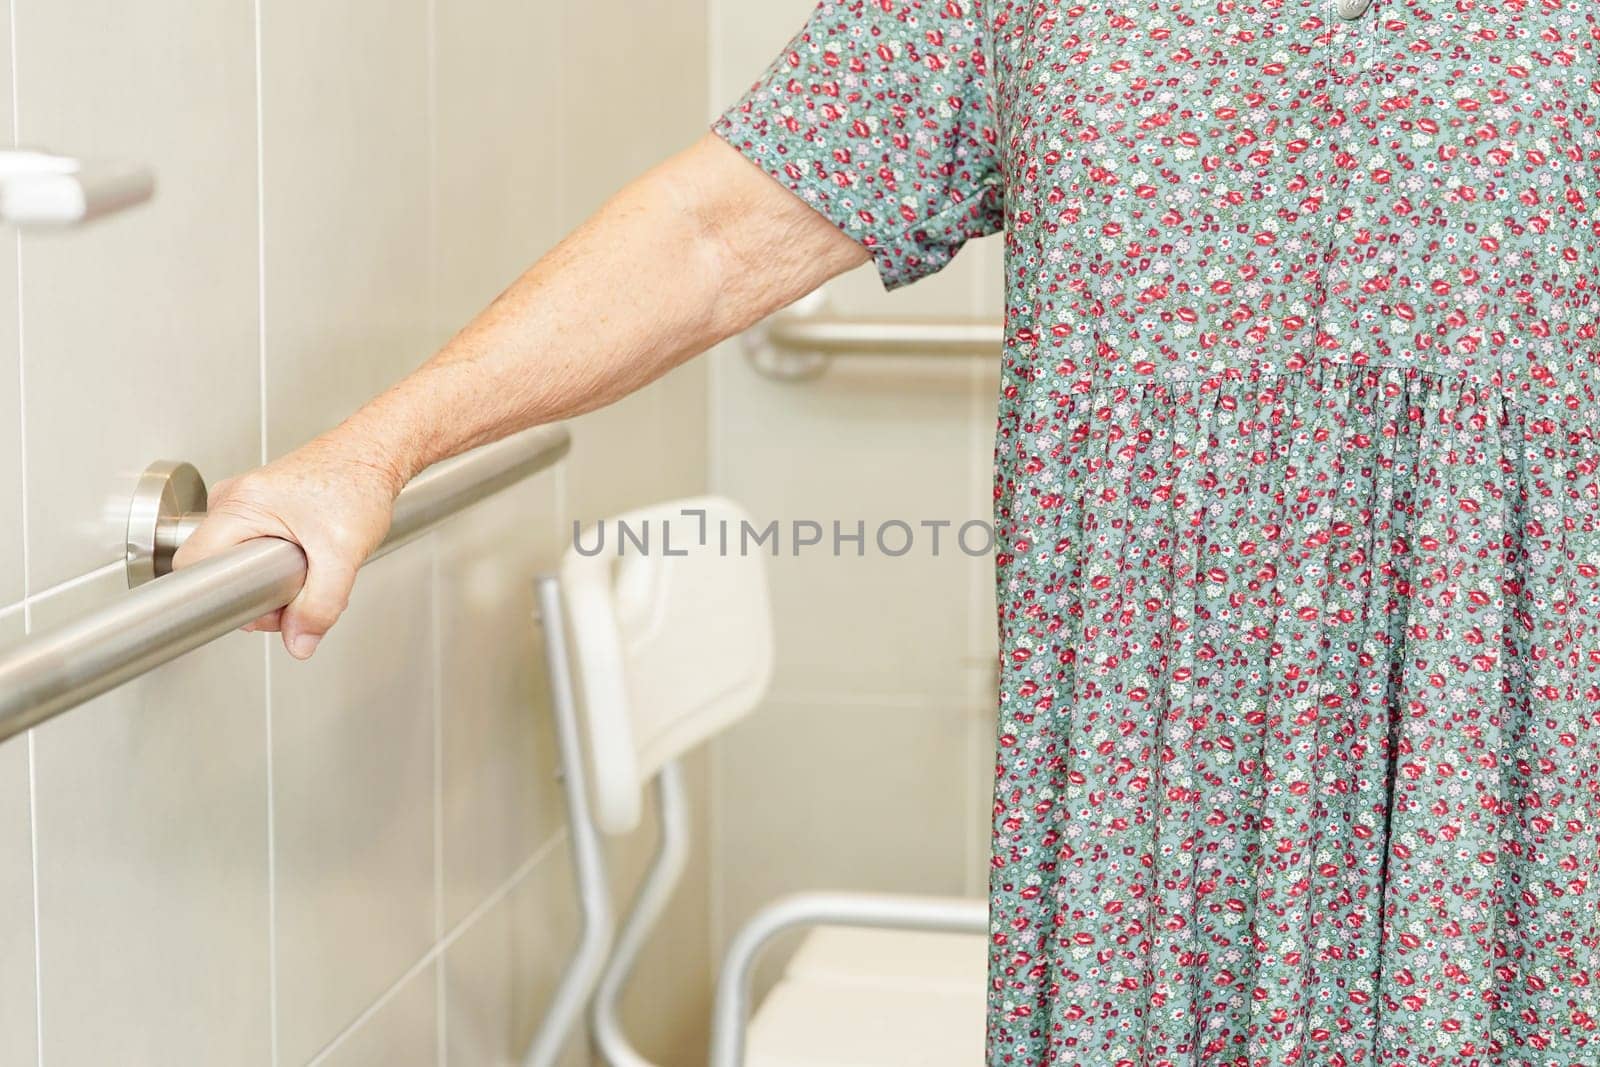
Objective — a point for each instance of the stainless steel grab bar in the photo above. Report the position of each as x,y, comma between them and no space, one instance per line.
54,671
799,343
885,337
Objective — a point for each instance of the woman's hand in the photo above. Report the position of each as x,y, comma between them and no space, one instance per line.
323,497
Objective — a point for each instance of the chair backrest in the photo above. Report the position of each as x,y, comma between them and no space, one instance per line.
671,639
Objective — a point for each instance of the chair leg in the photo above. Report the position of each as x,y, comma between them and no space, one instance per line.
655,892
881,910
588,861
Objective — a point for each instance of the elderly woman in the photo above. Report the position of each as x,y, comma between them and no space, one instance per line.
1297,484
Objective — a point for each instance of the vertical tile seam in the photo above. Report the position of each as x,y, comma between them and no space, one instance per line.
272,852
261,239
265,639
717,476
436,654
431,149
38,955
431,238
27,608
22,376
716,449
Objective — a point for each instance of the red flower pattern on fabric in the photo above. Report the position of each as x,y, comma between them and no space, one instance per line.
1297,493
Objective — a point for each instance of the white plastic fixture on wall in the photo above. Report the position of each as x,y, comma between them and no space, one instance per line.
42,189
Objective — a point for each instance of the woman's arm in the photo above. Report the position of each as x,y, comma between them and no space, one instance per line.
697,249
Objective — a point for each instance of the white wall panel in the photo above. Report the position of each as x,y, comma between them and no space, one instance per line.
140,332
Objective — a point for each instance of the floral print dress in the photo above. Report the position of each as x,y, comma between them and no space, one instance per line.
1297,490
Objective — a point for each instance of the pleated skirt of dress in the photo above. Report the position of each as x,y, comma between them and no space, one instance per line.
1299,759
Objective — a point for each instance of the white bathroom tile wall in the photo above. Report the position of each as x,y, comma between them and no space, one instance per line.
634,79
498,152
954,292
985,263
978,800
875,789
18,1035
685,397
501,972
501,798
415,157
353,804
346,131
987,279
891,658
497,207
402,1031
152,861
140,332
868,769
870,443
982,659
751,36
836,796
18,1040
634,84
647,448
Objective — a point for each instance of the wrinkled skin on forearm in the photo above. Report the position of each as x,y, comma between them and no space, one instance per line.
692,252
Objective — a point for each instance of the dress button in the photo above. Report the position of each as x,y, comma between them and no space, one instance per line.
1351,9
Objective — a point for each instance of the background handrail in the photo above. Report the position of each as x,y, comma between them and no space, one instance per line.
60,668
886,337
799,343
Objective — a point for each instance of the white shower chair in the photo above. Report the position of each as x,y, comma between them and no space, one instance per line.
670,644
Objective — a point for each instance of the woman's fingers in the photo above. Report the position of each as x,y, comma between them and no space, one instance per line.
223,528
220,531
320,602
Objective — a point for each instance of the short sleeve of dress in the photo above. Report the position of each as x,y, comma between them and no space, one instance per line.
879,114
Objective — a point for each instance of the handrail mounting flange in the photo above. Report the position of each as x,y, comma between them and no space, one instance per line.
170,495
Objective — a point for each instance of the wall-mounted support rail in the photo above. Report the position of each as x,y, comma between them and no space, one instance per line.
799,343
60,668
